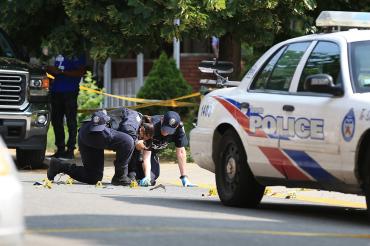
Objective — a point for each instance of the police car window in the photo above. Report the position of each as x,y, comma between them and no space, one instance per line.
264,74
360,65
324,59
278,73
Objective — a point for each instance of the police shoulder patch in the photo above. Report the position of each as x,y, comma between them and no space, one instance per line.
349,125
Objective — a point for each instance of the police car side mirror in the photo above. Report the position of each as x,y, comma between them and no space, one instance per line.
222,67
322,83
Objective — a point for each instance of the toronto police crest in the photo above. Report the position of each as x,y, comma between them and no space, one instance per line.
348,126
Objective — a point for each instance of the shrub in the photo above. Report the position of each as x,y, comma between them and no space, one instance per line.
86,99
164,81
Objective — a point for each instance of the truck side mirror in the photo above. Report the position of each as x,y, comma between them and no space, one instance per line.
322,83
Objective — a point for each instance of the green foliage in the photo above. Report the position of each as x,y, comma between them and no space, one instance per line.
164,81
115,27
88,100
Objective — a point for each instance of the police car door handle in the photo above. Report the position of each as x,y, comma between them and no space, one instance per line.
288,108
244,105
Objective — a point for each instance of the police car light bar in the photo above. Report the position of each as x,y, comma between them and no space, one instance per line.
343,19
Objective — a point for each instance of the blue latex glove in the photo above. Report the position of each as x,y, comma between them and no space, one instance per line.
186,183
145,182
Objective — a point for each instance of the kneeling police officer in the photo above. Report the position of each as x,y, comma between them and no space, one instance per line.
94,136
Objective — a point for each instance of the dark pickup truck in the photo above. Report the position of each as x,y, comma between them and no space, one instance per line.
24,105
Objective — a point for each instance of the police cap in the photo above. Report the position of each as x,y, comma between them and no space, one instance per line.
99,120
171,121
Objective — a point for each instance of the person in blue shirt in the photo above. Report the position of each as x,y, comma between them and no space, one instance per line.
68,72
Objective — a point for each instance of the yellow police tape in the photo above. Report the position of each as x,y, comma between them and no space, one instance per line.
147,102
50,76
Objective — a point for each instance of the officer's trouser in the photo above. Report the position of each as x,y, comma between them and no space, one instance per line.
136,166
93,158
93,165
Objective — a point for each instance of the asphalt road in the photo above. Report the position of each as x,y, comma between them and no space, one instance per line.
87,215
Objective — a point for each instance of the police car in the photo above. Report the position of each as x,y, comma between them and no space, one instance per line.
299,118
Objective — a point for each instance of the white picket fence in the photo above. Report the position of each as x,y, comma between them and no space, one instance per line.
127,87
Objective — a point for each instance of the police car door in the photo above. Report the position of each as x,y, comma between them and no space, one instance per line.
266,97
312,130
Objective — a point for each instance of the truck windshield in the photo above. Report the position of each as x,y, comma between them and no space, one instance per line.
360,65
5,48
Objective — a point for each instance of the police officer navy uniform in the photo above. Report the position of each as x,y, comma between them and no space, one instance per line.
133,123
167,128
93,137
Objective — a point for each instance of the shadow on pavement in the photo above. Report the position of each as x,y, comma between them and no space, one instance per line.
151,230
283,211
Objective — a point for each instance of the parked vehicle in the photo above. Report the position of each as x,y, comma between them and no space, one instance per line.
24,105
299,118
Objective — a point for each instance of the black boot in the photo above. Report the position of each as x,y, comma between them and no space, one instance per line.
120,176
57,166
121,180
68,155
59,153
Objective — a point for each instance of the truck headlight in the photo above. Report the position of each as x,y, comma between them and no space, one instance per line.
39,83
39,87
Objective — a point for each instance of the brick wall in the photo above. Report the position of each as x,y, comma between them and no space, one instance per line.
189,67
126,68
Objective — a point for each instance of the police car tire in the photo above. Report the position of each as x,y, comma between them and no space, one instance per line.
241,188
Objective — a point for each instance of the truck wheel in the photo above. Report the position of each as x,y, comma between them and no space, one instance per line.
235,182
32,158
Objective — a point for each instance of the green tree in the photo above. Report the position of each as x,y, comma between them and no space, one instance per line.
86,99
115,27
164,82
37,23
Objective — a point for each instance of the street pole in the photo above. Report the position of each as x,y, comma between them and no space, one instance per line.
108,81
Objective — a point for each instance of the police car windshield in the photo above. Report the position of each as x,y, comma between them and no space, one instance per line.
5,48
360,65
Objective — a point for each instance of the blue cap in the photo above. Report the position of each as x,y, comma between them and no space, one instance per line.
171,121
99,121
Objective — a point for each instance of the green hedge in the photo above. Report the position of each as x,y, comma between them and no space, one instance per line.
164,82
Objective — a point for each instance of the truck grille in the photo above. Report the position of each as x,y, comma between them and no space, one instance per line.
12,89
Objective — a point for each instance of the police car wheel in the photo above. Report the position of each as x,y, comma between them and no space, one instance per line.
236,184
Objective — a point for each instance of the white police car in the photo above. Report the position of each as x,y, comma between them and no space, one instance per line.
299,118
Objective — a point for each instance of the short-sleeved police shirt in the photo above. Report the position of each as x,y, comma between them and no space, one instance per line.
160,142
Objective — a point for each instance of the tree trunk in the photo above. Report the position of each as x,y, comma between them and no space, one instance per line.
230,50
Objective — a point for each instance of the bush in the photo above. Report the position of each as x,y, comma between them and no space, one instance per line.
164,81
86,99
